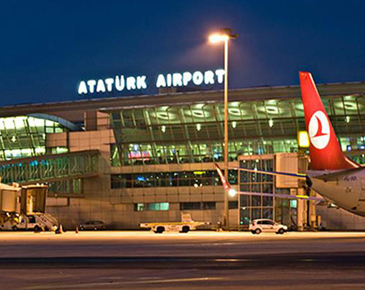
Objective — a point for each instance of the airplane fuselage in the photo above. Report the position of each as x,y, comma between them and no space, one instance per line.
346,190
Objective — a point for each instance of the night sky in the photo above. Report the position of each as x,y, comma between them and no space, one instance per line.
47,47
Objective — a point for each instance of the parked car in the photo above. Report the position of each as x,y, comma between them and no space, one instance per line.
93,225
267,225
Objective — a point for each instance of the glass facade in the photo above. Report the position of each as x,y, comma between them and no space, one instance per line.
256,207
69,188
194,133
168,179
25,136
50,168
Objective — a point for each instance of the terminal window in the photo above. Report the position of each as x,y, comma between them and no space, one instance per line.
209,205
168,179
190,206
197,205
155,206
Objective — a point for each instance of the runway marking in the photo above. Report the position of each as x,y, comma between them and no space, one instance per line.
111,283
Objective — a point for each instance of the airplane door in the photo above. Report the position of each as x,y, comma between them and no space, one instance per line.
362,191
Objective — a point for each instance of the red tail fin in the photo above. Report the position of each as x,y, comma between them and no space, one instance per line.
324,149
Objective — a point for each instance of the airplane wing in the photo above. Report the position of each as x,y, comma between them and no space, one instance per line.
225,182
275,173
228,187
306,197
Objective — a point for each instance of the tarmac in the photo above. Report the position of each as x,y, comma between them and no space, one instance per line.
197,260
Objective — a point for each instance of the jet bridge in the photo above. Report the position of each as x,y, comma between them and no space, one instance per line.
49,168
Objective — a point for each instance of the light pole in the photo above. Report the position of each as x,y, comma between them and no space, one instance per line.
225,35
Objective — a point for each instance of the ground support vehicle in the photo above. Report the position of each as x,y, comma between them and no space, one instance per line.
35,221
186,225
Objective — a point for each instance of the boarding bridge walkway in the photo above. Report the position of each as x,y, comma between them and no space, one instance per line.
50,168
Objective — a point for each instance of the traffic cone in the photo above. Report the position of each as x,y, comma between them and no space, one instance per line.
59,230
77,230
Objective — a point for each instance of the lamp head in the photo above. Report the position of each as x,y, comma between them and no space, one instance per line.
224,35
218,37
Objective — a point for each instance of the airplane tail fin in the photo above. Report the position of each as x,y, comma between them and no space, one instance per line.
325,151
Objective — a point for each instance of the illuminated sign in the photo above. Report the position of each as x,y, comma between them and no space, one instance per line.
144,155
130,83
303,139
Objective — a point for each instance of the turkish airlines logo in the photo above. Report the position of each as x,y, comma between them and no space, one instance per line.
319,130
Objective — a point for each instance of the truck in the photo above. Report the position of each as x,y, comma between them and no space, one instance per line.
34,221
187,224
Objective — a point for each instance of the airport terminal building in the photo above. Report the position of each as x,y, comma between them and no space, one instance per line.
128,160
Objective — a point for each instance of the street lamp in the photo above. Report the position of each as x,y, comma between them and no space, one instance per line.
225,35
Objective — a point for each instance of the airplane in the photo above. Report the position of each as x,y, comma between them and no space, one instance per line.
333,175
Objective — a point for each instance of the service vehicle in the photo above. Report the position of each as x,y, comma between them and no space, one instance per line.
266,225
187,224
28,223
35,222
